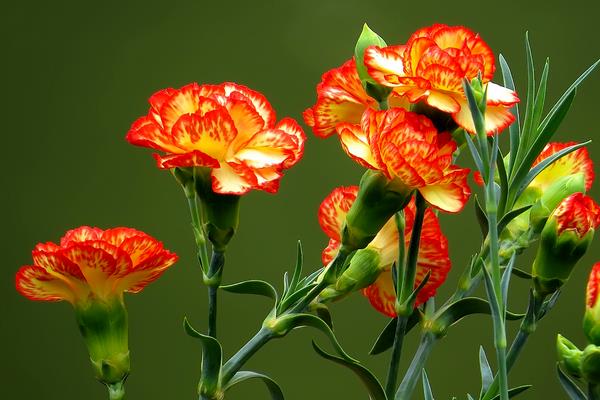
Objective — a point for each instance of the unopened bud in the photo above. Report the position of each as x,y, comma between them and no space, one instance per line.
569,356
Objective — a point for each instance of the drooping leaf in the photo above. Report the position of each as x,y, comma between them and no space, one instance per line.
308,320
549,304
241,376
427,393
569,386
373,386
506,278
385,340
510,216
323,312
514,392
481,217
256,287
211,351
521,274
298,269
487,376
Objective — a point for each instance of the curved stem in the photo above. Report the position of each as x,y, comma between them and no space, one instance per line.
236,362
417,364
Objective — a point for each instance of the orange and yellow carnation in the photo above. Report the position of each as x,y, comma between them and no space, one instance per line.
431,67
433,250
407,148
91,263
341,98
228,128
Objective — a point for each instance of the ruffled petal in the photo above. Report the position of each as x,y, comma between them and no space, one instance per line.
497,118
576,162
267,148
194,159
381,294
146,272
385,65
146,132
442,101
97,266
36,283
247,121
333,210
260,103
449,197
233,178
356,144
499,95
291,127
185,101
80,234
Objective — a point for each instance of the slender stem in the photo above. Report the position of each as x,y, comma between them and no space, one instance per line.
404,307
116,391
515,349
214,279
413,373
236,362
392,376
198,229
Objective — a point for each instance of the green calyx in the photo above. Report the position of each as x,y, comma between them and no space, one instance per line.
590,364
552,197
379,198
103,325
557,255
569,356
364,269
591,324
221,212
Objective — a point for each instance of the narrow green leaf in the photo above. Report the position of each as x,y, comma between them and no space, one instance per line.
286,285
256,287
509,217
474,152
546,162
298,269
540,97
479,122
481,217
528,131
503,178
454,312
211,350
494,307
514,128
519,273
569,386
294,297
410,301
385,340
549,304
323,312
427,393
506,278
310,278
373,386
469,397
241,376
514,391
487,376
309,320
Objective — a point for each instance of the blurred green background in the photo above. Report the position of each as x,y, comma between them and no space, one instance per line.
76,74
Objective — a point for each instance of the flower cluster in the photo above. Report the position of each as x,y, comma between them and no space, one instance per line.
433,250
91,264
228,128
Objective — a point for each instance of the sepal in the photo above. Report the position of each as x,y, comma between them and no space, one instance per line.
569,356
366,39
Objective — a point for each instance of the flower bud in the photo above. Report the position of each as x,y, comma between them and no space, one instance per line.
591,318
221,211
569,356
365,267
552,197
377,201
565,238
103,325
590,364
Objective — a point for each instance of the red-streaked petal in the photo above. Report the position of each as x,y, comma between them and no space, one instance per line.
333,210
56,263
141,248
36,283
443,78
309,117
328,113
355,143
260,103
185,101
97,265
80,234
442,101
48,247
267,148
194,159
497,118
291,127
146,272
499,95
381,294
145,132
247,122
383,64
233,178
211,133
116,236
578,161
449,197
330,251
593,286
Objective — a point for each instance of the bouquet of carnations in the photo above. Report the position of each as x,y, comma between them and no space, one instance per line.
410,114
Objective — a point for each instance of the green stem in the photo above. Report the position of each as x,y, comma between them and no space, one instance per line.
213,281
405,307
236,362
116,391
392,376
198,229
417,364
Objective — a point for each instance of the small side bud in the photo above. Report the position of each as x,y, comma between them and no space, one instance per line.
565,238
569,356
